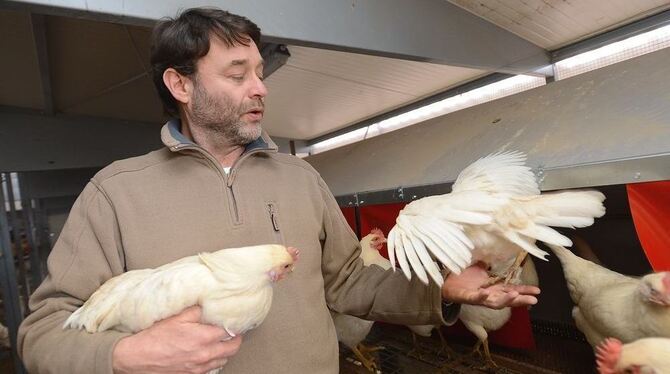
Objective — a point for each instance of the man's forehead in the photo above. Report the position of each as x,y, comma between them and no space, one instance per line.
237,54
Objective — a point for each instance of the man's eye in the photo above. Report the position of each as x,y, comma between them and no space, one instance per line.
237,77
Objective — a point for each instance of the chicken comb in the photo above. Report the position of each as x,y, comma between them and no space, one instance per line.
377,231
607,355
666,282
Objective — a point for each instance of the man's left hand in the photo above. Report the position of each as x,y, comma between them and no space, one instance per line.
469,288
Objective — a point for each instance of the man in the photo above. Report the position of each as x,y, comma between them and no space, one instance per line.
219,183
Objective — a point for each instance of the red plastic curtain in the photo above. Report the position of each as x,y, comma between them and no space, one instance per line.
650,208
517,333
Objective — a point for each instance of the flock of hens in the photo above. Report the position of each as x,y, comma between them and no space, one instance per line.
494,215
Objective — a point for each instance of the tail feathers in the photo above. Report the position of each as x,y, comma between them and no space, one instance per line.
568,208
546,234
526,245
92,319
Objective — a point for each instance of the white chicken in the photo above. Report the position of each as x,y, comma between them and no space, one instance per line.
481,320
426,331
643,356
233,286
494,213
609,304
351,331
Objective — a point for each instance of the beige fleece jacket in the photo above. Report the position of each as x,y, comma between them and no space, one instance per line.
177,201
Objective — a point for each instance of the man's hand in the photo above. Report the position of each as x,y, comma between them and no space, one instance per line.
467,288
176,344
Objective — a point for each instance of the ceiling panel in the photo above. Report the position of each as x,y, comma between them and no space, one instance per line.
89,58
555,23
319,91
136,100
20,84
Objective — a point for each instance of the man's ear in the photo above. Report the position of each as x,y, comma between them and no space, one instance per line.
179,85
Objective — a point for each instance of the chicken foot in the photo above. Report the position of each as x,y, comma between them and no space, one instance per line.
363,353
444,348
489,363
416,350
510,274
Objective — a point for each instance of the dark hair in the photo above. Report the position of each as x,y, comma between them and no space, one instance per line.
179,42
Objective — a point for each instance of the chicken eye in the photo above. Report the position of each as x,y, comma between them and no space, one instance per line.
286,266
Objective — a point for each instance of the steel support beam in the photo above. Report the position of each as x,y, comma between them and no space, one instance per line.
17,226
40,38
10,291
423,30
274,56
33,141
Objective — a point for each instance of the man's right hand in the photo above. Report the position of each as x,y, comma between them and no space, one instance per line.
177,344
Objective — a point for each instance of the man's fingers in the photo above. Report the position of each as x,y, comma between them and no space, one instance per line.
210,333
524,300
526,290
478,296
214,364
190,314
229,348
502,299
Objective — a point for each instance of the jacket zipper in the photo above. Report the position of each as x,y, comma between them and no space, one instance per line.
227,179
274,220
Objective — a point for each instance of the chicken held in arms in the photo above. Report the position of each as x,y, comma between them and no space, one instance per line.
613,305
494,213
351,330
643,356
233,286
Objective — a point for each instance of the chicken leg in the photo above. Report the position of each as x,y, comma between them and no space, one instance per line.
363,353
444,348
489,363
510,274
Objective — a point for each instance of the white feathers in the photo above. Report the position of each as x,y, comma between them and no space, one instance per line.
499,196
232,286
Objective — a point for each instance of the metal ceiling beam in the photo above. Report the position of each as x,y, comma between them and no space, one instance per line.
32,141
423,30
274,57
40,38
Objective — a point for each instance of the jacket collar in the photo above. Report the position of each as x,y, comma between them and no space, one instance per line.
175,140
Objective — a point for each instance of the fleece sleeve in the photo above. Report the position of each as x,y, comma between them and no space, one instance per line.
87,253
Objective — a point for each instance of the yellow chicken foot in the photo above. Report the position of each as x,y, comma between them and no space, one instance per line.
510,274
363,353
415,351
448,352
475,349
489,363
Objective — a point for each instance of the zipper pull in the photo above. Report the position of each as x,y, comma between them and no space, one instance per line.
273,217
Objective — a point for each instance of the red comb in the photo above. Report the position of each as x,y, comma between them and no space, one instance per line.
377,231
294,252
666,282
607,355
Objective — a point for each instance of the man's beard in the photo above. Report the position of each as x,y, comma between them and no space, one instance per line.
222,118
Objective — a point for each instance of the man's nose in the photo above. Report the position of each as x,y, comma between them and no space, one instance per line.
258,89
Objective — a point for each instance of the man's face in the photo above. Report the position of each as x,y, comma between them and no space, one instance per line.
228,92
